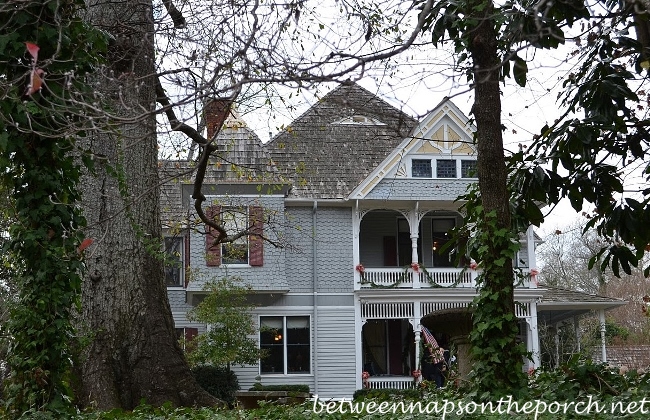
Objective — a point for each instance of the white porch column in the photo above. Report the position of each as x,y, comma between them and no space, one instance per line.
532,259
415,322
414,225
576,330
557,345
358,338
601,316
534,335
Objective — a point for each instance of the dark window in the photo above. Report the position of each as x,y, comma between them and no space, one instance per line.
468,169
446,168
421,168
440,235
285,339
174,261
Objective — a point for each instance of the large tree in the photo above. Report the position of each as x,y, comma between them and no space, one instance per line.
132,353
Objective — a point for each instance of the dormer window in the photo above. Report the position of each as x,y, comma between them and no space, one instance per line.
443,168
468,169
421,168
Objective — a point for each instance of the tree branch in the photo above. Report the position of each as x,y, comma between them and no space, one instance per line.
175,14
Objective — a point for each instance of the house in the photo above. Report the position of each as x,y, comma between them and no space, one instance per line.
354,193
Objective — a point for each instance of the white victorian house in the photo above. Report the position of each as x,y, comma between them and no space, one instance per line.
361,198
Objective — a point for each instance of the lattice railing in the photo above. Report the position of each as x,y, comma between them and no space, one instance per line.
394,382
387,310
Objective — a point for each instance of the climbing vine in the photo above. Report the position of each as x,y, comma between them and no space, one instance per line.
495,326
45,52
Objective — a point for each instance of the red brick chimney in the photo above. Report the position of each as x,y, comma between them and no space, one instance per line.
216,112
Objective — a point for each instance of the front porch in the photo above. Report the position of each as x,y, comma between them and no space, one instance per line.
389,332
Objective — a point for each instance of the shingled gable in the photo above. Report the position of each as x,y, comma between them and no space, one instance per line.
333,146
444,131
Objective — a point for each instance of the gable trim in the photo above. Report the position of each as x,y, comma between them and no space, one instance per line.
430,126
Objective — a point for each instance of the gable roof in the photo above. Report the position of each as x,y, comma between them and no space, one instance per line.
338,142
445,130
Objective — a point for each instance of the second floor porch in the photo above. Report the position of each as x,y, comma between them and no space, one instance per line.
412,247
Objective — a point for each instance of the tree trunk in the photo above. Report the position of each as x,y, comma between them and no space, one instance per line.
132,353
497,296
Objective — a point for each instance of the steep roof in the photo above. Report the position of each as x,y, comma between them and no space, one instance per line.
338,142
239,159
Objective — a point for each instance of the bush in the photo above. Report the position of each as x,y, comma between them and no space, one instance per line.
290,388
220,382
386,394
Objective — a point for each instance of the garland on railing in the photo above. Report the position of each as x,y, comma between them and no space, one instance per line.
404,277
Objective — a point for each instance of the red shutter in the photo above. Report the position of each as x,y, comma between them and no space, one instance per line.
212,250
255,241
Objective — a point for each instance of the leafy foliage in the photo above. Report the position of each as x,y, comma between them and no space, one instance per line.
280,387
226,310
41,173
601,135
494,325
218,381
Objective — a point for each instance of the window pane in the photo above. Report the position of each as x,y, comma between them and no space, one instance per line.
235,220
272,340
421,168
173,261
446,168
298,354
468,169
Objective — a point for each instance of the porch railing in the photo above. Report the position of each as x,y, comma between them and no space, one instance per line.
432,277
393,382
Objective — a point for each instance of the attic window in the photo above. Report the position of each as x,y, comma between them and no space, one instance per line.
358,120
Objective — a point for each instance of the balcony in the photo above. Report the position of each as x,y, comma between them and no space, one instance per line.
396,277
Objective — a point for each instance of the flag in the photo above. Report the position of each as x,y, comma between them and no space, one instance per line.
437,353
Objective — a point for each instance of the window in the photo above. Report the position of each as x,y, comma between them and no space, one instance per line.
287,343
468,169
440,236
446,168
421,168
235,220
245,250
173,261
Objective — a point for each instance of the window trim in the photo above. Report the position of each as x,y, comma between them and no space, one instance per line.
286,372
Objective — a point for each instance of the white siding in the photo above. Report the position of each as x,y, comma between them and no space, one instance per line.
337,371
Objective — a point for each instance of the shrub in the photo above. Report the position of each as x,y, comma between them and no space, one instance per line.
218,381
386,394
290,388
